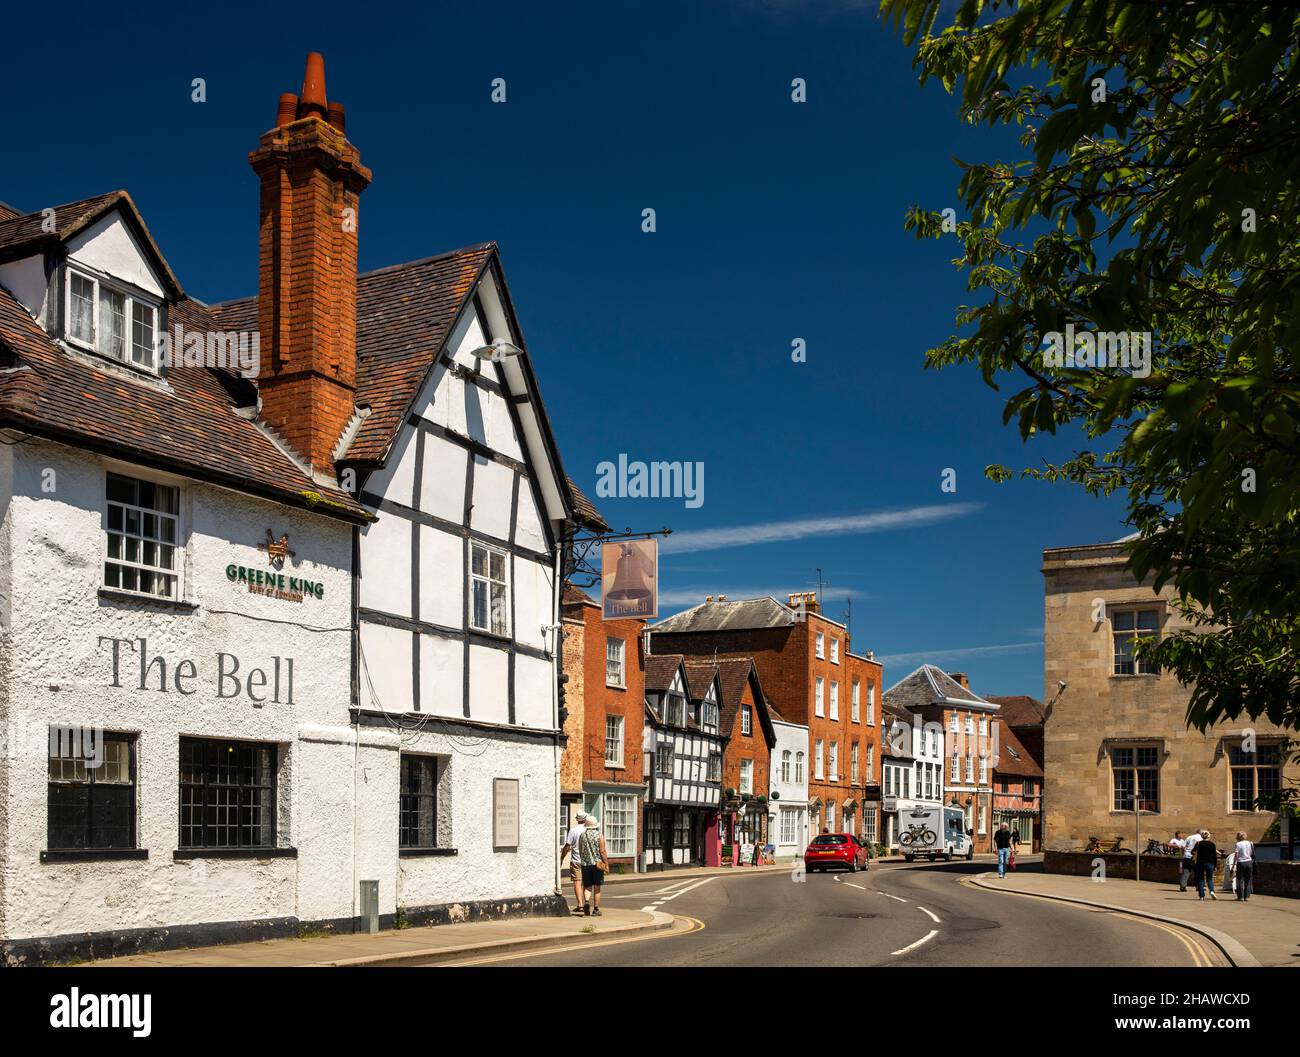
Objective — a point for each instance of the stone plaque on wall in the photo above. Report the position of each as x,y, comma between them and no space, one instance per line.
505,813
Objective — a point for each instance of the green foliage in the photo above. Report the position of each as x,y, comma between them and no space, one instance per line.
1130,215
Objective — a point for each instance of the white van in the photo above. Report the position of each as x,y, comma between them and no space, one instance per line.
933,831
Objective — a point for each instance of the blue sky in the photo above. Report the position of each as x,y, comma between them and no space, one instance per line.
775,221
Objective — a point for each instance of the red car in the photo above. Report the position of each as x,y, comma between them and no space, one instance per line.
835,849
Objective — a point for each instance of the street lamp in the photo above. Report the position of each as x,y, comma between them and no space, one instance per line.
497,351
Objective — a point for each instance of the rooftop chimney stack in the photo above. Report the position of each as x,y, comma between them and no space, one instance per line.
805,600
960,677
311,179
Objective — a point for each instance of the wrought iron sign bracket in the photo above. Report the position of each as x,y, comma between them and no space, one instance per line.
582,560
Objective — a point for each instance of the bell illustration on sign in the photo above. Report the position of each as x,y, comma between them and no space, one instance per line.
629,579
276,549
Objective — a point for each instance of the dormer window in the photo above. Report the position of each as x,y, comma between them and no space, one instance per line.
112,321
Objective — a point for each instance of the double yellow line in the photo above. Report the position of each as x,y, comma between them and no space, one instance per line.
1202,958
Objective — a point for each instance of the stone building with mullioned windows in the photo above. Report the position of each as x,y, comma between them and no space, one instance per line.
1115,735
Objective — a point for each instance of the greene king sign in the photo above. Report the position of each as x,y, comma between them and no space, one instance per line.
275,584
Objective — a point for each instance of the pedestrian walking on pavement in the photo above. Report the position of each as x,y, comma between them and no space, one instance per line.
595,861
1002,841
1188,866
1207,859
571,849
1245,856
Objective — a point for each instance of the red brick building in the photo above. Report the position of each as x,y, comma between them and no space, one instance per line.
1025,717
1017,788
606,739
746,724
810,677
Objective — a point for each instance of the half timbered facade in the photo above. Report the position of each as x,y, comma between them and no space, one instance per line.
683,750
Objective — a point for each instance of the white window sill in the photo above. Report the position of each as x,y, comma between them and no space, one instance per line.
503,636
113,594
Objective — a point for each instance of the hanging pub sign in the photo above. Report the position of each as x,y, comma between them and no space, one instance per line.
629,579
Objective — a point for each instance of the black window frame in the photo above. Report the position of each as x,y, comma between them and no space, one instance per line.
91,844
409,801
210,791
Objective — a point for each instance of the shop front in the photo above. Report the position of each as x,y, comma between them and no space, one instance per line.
677,836
745,833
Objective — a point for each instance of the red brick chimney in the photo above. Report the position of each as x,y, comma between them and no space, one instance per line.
307,270
960,677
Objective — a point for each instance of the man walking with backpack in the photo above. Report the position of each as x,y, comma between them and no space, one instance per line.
595,861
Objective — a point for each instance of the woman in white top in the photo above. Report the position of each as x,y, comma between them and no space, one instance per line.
1245,857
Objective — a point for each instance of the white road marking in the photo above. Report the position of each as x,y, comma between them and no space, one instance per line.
912,946
888,896
688,888
858,887
932,917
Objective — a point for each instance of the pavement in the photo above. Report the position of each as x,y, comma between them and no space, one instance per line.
1264,931
415,946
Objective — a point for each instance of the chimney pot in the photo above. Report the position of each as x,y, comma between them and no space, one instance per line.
335,116
287,111
313,86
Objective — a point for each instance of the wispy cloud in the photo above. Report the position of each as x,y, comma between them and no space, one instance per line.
812,6
692,596
778,531
950,655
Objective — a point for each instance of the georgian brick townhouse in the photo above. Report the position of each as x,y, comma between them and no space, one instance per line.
812,678
303,614
969,740
605,752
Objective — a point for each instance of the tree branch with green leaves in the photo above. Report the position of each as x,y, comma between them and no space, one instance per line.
1158,194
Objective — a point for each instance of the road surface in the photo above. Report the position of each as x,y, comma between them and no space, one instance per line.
893,914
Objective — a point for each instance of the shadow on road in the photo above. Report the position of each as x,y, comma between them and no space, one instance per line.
961,867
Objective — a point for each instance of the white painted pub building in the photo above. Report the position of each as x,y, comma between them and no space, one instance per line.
268,634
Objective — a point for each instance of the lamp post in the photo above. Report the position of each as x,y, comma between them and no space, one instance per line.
1137,836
